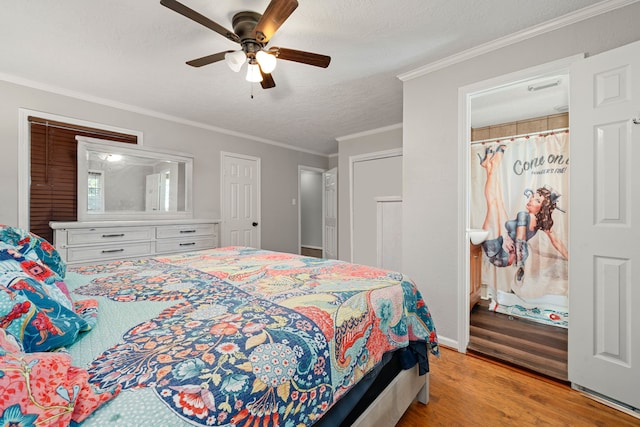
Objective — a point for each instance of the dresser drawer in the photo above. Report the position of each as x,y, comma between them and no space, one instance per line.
108,235
185,244
186,231
97,253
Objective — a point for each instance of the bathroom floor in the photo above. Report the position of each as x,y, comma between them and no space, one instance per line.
312,252
534,346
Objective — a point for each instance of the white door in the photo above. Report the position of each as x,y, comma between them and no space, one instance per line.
240,200
604,272
330,216
152,198
389,228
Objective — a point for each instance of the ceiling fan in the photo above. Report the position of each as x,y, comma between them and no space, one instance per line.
252,31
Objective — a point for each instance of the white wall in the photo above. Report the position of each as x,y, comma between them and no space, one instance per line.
431,200
311,209
279,165
333,161
383,139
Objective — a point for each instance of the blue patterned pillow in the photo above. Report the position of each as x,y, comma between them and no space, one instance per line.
51,323
15,312
33,247
26,266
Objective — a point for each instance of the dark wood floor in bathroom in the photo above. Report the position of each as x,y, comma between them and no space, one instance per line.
530,345
313,252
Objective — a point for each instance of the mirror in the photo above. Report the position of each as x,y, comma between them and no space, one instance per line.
126,181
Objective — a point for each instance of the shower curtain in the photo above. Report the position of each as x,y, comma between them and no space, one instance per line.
519,193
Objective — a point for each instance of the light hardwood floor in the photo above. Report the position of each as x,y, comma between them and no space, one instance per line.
468,390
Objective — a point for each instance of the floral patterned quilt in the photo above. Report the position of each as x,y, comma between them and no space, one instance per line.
240,336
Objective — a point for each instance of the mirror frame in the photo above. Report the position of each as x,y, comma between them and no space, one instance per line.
87,145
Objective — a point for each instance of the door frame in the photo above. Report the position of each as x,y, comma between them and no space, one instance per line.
302,168
223,156
465,94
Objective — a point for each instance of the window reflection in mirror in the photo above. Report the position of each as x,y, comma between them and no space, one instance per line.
95,191
118,180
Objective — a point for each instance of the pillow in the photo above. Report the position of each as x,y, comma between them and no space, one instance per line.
88,310
13,261
52,325
44,388
33,247
15,313
32,309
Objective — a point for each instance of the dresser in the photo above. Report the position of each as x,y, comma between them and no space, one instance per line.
90,242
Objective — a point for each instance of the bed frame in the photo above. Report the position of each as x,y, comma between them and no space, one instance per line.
387,409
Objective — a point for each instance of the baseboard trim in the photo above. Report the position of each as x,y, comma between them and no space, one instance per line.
448,342
608,401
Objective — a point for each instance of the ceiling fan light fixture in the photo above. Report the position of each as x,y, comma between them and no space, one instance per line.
267,61
253,73
252,31
235,59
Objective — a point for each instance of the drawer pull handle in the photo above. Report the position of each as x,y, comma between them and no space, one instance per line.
188,244
113,235
187,231
111,251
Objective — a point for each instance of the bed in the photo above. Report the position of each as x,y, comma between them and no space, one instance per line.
230,336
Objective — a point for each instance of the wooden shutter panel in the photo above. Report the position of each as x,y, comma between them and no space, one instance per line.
53,193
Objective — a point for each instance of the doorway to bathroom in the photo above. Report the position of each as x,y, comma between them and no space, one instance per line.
517,127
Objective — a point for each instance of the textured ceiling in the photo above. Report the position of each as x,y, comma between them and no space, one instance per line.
134,52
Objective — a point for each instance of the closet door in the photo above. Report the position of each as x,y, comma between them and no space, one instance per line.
389,233
372,178
604,272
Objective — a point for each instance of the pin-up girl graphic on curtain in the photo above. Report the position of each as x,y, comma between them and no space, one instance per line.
508,237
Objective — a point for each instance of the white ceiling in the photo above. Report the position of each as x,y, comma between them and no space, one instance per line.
133,53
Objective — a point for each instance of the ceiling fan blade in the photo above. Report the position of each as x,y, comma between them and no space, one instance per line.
273,17
209,59
308,58
267,80
200,19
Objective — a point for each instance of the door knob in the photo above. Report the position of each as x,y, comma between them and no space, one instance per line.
255,224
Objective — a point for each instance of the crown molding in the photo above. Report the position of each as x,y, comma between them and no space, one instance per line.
551,25
369,132
144,111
